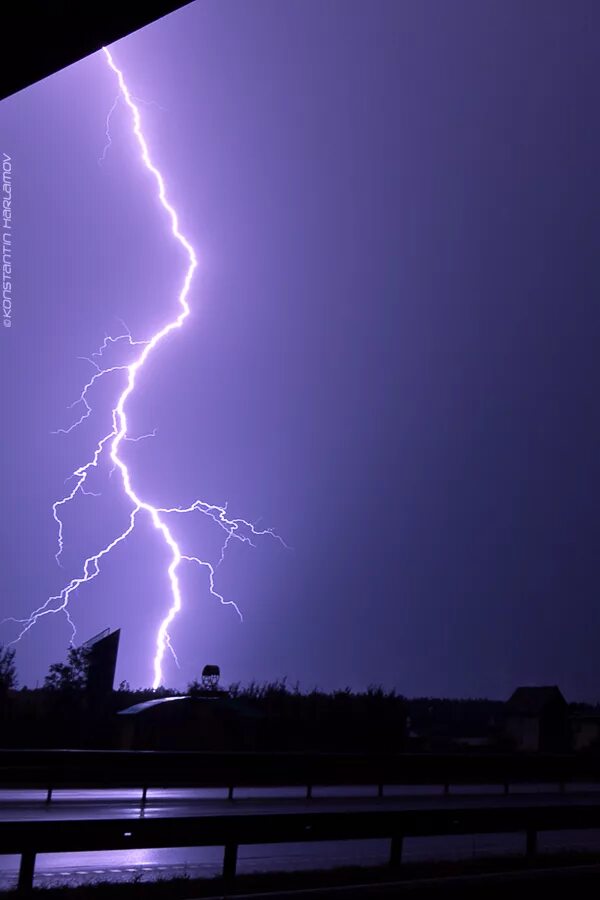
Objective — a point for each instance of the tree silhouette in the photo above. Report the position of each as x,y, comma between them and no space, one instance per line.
8,670
69,676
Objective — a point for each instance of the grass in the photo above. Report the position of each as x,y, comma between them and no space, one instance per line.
185,887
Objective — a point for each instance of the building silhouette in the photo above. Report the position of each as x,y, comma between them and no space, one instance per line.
101,664
537,719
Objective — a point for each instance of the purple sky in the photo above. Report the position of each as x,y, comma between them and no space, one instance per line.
392,356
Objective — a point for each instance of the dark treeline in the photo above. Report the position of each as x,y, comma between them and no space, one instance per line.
251,717
269,716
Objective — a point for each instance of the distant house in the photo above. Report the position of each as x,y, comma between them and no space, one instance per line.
585,731
536,719
475,742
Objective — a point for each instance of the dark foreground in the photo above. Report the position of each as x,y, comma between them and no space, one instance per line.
512,878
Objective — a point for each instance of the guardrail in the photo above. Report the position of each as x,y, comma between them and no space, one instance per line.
80,769
29,838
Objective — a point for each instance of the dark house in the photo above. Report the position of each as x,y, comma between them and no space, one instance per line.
188,723
537,720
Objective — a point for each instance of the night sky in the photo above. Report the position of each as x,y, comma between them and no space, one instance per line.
392,357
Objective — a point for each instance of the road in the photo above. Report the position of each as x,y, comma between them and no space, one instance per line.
52,869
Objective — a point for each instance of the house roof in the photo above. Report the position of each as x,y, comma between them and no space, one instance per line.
219,701
148,704
532,701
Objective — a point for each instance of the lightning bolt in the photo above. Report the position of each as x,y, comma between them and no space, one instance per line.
233,528
107,130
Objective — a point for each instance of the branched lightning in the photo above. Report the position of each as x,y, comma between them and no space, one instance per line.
107,130
233,528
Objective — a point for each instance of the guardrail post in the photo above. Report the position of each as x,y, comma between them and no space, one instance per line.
26,869
309,788
380,790
396,850
446,788
49,795
229,861
144,793
230,793
506,787
531,842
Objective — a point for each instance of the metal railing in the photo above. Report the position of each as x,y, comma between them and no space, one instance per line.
50,770
29,838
